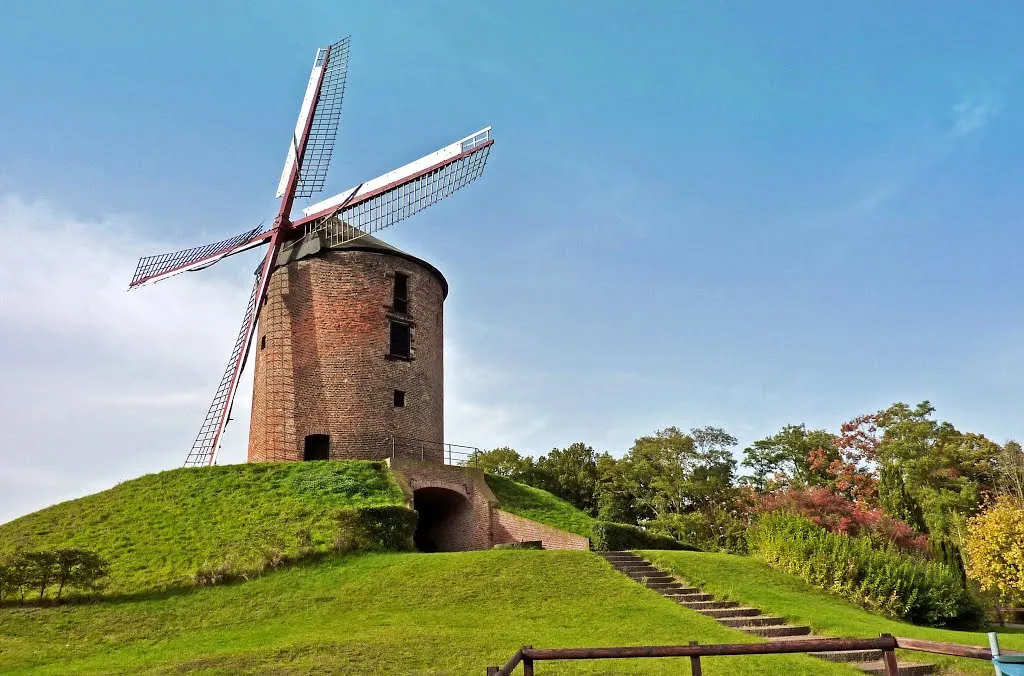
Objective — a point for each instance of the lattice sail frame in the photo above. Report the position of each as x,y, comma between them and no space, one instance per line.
316,157
204,448
364,212
322,101
154,268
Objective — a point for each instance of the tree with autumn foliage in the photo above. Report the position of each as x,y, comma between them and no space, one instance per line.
995,550
784,458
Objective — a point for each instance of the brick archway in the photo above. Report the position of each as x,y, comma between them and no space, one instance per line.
444,515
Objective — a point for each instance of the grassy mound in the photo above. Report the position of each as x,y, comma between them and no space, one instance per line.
752,582
381,614
157,530
539,505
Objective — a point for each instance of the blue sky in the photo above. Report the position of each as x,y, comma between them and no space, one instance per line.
735,214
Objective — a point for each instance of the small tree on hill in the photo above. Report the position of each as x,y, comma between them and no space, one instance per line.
79,568
42,569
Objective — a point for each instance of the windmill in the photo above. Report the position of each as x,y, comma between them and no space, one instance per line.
352,214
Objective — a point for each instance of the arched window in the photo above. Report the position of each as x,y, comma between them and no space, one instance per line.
317,447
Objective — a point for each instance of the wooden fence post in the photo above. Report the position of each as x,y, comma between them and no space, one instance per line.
695,669
889,658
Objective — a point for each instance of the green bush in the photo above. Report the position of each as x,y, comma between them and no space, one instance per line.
888,581
375,529
718,532
610,536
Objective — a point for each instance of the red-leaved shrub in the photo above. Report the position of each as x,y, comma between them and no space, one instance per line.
843,516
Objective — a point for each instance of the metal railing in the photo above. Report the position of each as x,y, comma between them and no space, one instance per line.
886,643
422,449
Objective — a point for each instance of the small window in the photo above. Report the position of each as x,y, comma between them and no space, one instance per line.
399,399
400,303
317,447
263,342
401,340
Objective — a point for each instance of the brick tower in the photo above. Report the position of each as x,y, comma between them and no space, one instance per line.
348,354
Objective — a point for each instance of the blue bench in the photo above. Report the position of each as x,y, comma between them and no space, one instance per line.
1006,665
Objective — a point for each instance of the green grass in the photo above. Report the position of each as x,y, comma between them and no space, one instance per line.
381,614
539,505
752,582
158,529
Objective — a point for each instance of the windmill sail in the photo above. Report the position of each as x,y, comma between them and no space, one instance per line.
324,94
204,449
398,194
155,268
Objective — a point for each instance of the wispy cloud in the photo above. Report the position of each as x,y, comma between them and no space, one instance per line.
967,118
100,384
971,115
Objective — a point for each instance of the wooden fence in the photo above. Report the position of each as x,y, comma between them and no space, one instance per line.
888,644
1002,612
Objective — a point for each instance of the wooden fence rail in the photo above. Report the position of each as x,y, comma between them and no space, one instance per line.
888,644
1002,612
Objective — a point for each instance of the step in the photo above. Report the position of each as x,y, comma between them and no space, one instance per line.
709,605
655,575
691,598
906,668
782,630
633,568
850,656
684,592
674,587
646,574
730,612
754,621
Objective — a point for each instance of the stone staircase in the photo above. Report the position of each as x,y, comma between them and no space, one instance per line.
747,619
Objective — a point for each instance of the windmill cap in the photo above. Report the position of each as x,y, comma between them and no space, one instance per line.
313,243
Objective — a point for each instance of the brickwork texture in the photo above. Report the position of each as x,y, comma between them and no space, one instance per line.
462,511
322,362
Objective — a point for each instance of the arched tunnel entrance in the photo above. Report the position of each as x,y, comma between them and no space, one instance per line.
445,519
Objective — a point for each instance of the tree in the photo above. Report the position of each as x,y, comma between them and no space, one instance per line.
19,571
42,569
995,550
79,568
1010,472
503,461
947,472
571,474
616,492
785,458
852,470
711,477
896,500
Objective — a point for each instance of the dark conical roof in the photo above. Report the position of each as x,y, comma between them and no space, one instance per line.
312,243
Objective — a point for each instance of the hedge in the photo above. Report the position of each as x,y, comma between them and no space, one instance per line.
888,581
610,536
375,529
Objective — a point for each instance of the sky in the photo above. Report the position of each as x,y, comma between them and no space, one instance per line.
738,214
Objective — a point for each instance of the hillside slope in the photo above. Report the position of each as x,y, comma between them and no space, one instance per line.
157,530
539,505
751,582
381,614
